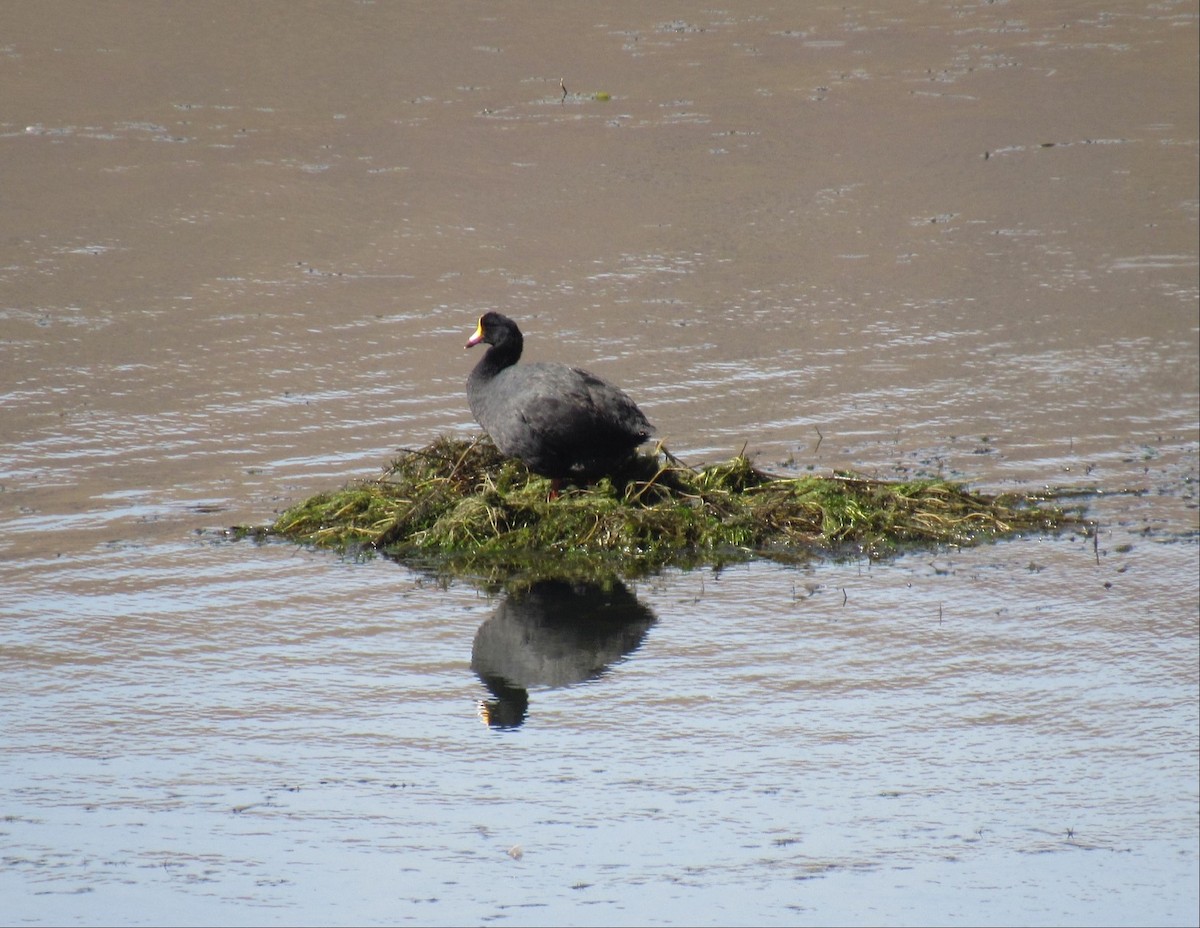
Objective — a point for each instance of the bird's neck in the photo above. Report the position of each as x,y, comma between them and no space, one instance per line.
498,357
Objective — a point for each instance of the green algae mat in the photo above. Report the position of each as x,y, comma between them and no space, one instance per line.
461,508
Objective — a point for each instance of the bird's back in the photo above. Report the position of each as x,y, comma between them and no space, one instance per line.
560,420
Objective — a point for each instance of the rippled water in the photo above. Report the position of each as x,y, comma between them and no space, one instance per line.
208,737
957,240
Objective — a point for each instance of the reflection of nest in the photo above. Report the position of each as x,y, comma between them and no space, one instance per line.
468,509
553,634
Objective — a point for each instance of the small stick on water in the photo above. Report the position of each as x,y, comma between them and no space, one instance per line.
844,596
563,87
820,438
1096,542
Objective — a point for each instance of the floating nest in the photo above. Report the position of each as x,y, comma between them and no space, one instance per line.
460,507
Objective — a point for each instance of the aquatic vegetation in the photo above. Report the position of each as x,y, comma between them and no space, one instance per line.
463,508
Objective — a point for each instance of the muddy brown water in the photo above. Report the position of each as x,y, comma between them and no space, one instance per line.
243,245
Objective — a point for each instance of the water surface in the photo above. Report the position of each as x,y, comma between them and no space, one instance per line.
244,246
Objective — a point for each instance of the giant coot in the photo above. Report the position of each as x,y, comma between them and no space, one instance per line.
562,422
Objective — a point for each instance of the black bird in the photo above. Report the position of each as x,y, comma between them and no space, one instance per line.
562,422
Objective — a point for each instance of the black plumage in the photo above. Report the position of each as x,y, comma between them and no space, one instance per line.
562,422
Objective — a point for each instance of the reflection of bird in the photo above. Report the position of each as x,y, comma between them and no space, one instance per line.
553,634
562,422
